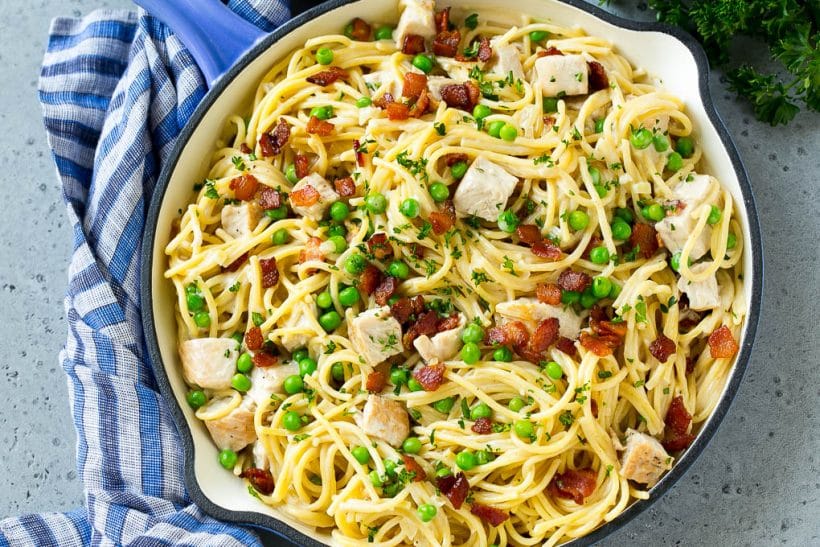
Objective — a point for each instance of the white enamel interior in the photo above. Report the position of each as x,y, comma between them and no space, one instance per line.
659,54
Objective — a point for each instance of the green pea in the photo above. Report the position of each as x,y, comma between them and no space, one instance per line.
503,354
427,512
339,244
348,296
240,382
508,221
324,300
398,376
411,445
516,404
363,102
414,385
482,457
660,142
280,237
443,472
307,366
621,230
508,132
191,288
601,286
324,56
393,299
423,63
616,290
472,333
375,479
539,35
202,319
731,241
278,213
465,460
299,354
570,297
290,174
355,264
196,398
588,299
194,302
390,468
601,190
714,215
339,211
322,112
439,192
578,220
674,162
348,30
641,138
293,384
238,337
458,169
599,125
595,175
336,230
674,262
685,147
398,269
524,429
481,111
338,372
227,458
330,321
470,353
599,255
481,410
376,203
494,128
654,212
444,405
361,454
384,33
409,208
625,214
292,420
549,105
244,363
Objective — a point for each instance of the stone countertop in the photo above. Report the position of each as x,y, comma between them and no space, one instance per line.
756,483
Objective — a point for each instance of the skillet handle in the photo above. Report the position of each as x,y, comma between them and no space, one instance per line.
216,36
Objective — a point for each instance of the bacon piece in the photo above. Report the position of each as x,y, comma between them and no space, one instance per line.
305,196
269,198
418,304
567,346
483,426
597,76
236,264
546,249
544,335
398,111
593,405
245,149
412,466
485,51
421,105
345,187
570,280
549,51
270,273
443,20
455,488
244,187
722,344
574,484
512,333
413,44
606,328
315,126
549,121
254,339
430,376
414,83
260,479
272,143
424,325
460,96
677,423
327,77
454,158
661,348
448,323
446,43
490,515
375,381
384,100
360,30
312,250
300,164
370,279
600,346
385,290
528,233
445,219
357,149
644,236
401,310
379,246
262,359
548,293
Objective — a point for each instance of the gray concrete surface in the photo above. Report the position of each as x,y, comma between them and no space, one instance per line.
758,483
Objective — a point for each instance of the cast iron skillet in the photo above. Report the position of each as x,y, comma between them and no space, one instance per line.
224,45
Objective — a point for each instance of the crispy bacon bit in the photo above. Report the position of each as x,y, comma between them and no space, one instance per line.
544,335
379,246
421,105
644,237
384,100
452,159
573,484
490,515
236,264
413,44
375,381
424,325
315,126
455,488
244,187
485,51
593,405
598,346
398,111
443,20
385,290
448,323
327,77
445,219
301,165
677,426
245,149
549,121
271,143
305,196
262,359
370,279
270,273
460,96
401,310
528,233
312,250
413,466
360,30
418,304
546,249
269,198
605,336
722,344
607,328
512,333
357,149
549,51
483,426
414,84
548,293
597,76
345,187
446,43
254,339
567,346
570,280
260,479
661,348
430,376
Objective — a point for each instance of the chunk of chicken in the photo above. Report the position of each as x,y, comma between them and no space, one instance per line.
484,190
508,60
417,17
327,195
644,460
702,295
375,335
297,328
234,431
675,230
385,419
209,363
531,311
441,346
240,220
268,380
560,75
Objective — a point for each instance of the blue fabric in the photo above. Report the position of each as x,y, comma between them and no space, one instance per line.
116,88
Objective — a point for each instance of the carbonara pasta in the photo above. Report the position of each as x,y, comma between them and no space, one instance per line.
457,282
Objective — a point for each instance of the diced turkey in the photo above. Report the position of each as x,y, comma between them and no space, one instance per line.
484,190
209,363
674,230
441,346
327,195
508,60
234,431
385,419
303,328
268,380
702,295
560,75
417,17
376,335
240,220
644,460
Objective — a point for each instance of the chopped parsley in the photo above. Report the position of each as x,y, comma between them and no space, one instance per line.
257,318
238,163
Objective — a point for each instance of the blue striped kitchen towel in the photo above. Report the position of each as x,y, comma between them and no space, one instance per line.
116,88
